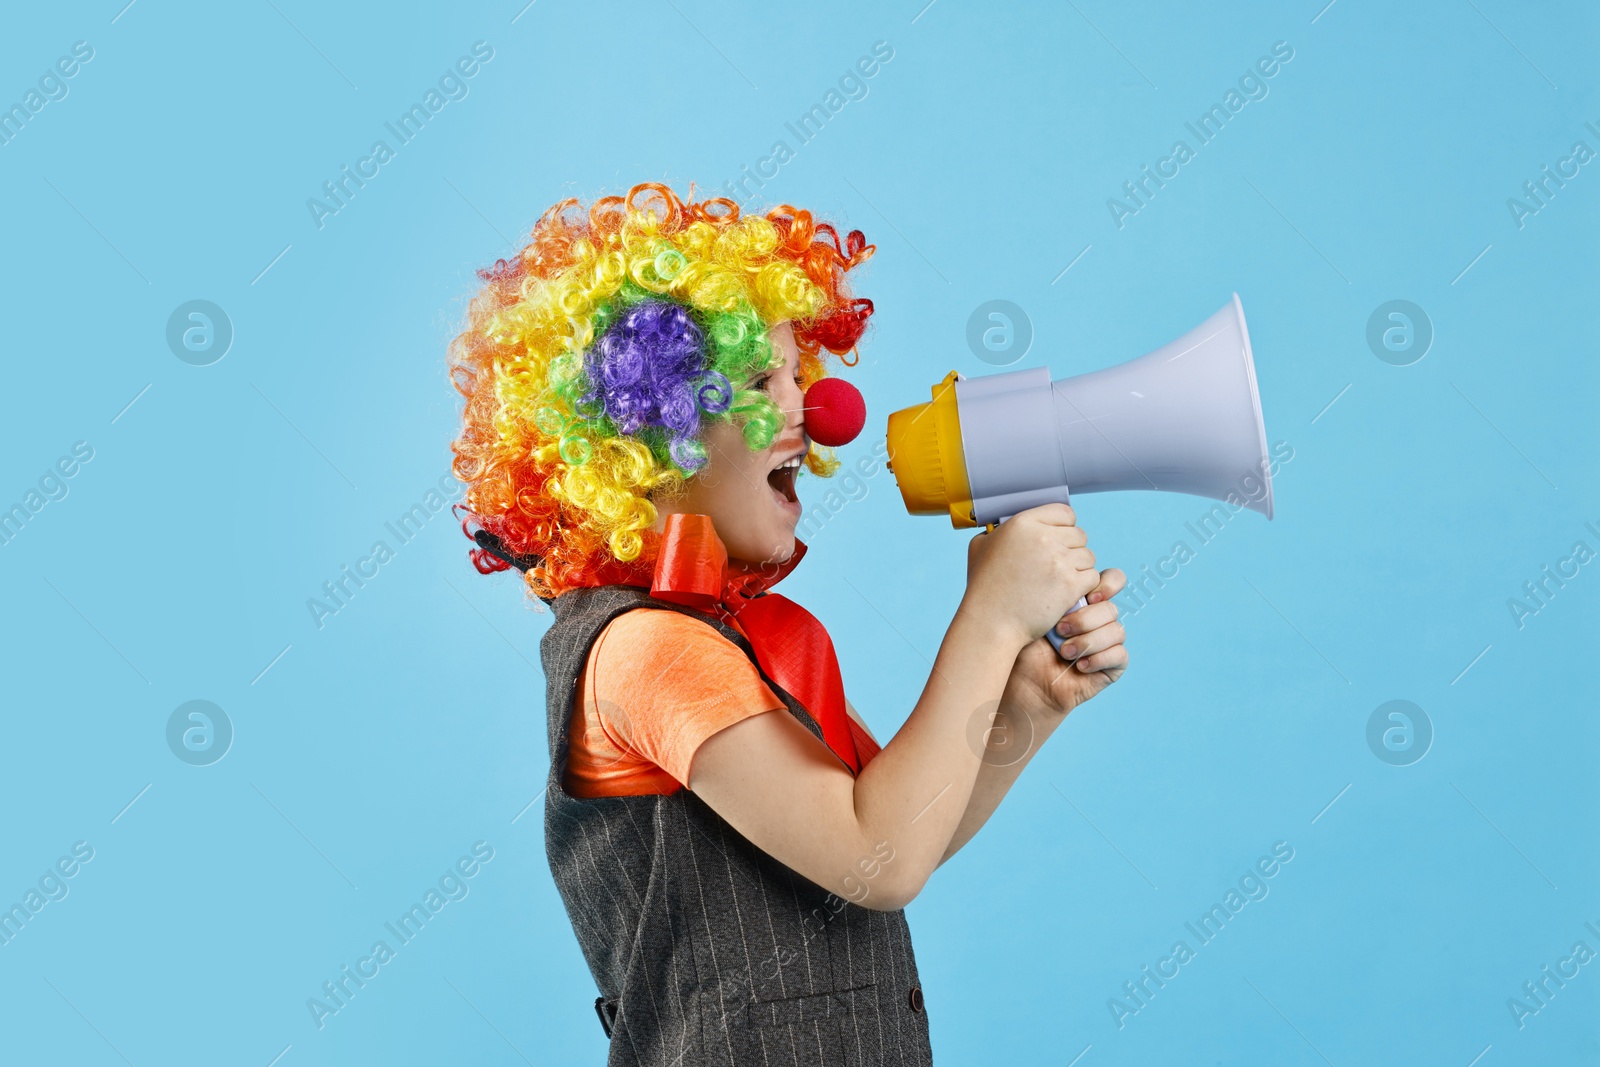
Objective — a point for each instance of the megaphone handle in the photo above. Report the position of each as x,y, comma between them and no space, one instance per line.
1055,639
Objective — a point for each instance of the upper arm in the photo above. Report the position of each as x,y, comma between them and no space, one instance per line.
692,702
786,792
663,682
856,715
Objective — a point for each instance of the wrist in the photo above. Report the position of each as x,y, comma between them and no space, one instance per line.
982,623
1028,702
1033,689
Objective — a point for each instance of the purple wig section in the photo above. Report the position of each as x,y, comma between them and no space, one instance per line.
648,370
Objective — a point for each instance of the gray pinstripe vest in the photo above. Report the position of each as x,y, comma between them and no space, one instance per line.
710,952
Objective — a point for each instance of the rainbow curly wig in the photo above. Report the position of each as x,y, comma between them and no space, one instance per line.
592,361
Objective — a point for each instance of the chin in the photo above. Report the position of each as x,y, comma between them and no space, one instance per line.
760,533
771,547
777,550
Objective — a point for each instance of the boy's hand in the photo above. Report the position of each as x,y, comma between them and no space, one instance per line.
1044,682
1030,569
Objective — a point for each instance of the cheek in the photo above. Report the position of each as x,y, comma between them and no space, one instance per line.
731,475
734,492
791,398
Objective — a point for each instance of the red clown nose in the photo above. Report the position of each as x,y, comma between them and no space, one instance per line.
835,412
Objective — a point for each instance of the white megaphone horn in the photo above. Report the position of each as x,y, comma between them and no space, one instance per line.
1185,418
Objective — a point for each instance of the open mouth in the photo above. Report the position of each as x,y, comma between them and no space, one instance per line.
781,479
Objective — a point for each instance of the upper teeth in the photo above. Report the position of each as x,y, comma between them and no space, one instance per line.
795,462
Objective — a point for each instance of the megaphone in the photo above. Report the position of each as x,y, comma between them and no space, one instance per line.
1185,418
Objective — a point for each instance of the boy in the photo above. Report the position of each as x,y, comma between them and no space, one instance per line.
635,421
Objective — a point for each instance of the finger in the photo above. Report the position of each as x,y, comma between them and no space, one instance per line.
1081,558
1095,641
1054,514
1085,619
1113,658
1071,536
1112,582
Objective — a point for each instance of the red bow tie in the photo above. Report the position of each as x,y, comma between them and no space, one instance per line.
790,644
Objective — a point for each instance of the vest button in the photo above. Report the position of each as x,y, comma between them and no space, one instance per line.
916,998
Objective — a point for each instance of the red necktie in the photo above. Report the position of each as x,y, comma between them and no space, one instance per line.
790,644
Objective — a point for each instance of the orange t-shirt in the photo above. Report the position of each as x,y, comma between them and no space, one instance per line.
658,683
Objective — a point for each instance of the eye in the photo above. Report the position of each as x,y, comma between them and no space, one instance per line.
765,380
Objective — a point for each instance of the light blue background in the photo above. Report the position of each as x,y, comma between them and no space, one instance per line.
379,748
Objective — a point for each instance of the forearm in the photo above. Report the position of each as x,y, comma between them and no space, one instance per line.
916,791
893,822
1017,734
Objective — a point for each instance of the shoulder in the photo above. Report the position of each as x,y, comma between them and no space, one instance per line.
647,627
647,620
661,639
665,681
